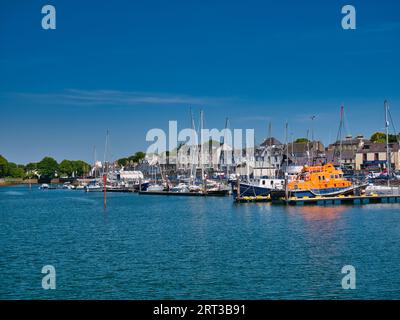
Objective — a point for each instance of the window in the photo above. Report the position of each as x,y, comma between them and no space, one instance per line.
364,157
376,156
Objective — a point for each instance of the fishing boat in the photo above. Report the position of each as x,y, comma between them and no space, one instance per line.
320,181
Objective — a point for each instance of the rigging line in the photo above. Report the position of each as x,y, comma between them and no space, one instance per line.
394,128
345,124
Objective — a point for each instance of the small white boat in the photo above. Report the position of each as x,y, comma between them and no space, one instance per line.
44,186
195,188
68,186
181,187
93,187
155,187
382,190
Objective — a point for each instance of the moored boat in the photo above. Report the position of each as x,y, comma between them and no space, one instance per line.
261,187
319,181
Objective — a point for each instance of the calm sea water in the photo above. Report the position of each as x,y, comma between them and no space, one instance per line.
152,247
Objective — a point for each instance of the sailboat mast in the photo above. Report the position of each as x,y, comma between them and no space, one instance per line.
224,150
193,168
270,133
105,153
287,145
94,161
308,147
312,138
388,160
202,149
341,134
105,173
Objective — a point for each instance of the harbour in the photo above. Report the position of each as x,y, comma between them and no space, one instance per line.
191,156
160,247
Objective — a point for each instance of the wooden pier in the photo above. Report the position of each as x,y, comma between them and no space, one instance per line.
185,194
324,201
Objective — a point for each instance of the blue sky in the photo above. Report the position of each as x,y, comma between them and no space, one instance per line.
129,66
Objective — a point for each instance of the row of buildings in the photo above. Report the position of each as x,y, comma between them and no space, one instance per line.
271,157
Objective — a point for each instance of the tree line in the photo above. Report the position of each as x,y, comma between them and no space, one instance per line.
47,167
132,160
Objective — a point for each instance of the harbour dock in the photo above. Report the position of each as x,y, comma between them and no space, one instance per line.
184,194
323,201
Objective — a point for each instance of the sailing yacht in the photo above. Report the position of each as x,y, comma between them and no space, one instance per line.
388,174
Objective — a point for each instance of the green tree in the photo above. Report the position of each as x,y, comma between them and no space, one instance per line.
122,162
139,156
393,138
132,159
80,167
301,140
3,167
16,171
378,137
66,168
31,166
30,170
48,167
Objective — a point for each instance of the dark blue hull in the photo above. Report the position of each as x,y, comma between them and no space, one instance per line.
330,192
248,190
315,192
143,187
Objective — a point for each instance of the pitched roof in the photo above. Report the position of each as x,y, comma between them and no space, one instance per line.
378,147
270,142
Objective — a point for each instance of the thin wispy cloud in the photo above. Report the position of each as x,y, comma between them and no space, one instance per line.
120,98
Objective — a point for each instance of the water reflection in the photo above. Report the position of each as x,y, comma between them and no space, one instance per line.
311,213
